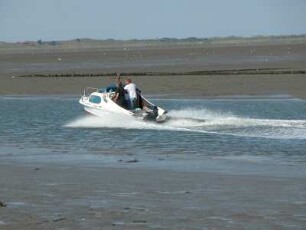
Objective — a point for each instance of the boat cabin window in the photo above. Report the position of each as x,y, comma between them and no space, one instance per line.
95,99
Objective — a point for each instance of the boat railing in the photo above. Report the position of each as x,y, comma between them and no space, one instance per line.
89,90
145,101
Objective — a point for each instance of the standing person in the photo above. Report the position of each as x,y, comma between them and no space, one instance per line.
130,87
119,96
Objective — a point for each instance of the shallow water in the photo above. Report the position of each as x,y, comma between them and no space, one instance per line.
235,163
237,128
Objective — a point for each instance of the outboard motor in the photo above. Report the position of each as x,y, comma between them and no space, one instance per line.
151,114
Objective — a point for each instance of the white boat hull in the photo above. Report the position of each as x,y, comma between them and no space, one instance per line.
103,103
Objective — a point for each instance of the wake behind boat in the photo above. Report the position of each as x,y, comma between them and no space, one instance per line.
97,101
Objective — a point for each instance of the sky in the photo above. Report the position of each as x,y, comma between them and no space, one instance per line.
22,20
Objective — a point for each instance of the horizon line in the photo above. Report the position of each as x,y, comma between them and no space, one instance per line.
163,38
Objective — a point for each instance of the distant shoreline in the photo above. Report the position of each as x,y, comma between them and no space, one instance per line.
90,44
170,39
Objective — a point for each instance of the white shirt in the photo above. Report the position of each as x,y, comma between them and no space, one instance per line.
131,89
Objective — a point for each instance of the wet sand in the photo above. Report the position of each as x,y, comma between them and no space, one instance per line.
169,86
66,196
180,58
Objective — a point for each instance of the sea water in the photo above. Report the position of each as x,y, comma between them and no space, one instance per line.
56,128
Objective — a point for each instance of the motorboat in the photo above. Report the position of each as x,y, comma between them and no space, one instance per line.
98,101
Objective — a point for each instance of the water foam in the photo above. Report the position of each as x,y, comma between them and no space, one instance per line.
202,121
110,120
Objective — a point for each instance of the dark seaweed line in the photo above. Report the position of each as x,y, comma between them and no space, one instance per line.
196,73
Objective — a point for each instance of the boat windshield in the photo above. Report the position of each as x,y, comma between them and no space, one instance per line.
111,88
